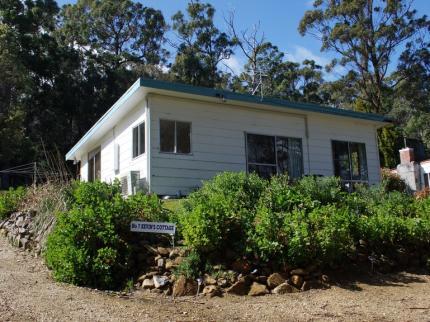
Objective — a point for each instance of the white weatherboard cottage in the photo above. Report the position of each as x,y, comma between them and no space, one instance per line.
168,137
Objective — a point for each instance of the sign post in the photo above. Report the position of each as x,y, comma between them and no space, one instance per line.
154,227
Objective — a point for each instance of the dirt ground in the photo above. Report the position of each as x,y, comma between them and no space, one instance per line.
28,293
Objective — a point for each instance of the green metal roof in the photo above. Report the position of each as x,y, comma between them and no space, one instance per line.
247,98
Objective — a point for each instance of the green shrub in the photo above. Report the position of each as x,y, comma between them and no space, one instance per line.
147,207
191,267
219,214
325,190
90,244
310,221
10,201
392,182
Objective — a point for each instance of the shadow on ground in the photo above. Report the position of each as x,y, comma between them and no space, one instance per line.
352,278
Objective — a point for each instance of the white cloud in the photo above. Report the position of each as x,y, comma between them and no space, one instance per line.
233,65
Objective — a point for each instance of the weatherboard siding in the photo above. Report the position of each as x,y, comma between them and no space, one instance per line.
217,140
121,134
323,129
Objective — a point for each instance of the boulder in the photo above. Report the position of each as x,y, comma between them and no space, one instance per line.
297,280
178,260
174,253
170,264
211,291
163,251
161,262
284,289
148,283
184,286
258,289
261,279
209,280
160,281
275,280
241,287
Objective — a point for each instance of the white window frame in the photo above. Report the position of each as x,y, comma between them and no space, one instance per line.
138,140
350,182
276,154
175,137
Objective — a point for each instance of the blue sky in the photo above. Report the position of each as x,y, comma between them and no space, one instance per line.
278,20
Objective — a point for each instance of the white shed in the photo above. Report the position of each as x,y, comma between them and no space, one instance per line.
169,137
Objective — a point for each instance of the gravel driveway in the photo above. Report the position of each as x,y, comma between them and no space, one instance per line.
28,293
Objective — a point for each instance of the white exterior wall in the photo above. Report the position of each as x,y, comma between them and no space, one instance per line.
218,140
122,135
323,129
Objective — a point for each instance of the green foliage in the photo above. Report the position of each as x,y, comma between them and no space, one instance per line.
217,215
147,207
10,200
392,181
310,221
191,267
90,244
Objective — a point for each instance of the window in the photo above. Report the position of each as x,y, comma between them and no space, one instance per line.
175,137
139,140
94,165
350,163
271,155
426,180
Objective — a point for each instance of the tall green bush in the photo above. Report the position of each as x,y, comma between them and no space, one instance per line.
310,221
218,215
90,244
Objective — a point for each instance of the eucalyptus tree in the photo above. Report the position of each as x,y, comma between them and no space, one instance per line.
200,45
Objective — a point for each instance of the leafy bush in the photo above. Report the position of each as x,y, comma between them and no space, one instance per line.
90,244
392,182
310,221
10,201
219,214
191,267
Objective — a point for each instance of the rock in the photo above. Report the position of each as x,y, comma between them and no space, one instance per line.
174,253
23,243
184,286
258,289
284,289
274,280
324,279
297,280
299,271
163,251
170,264
209,280
261,279
148,283
160,281
161,263
222,282
178,260
211,291
241,287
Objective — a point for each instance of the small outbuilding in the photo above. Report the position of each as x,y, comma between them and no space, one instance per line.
168,137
